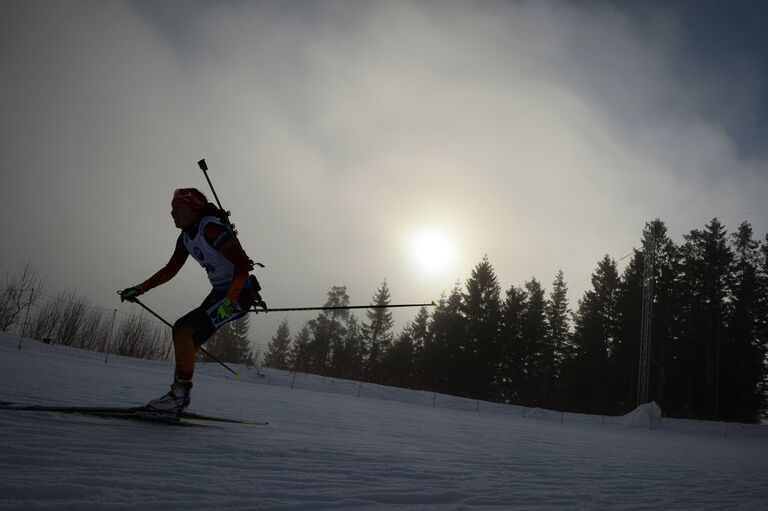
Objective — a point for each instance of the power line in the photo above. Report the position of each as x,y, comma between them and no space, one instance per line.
732,215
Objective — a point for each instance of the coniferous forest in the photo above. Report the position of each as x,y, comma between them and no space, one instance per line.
527,345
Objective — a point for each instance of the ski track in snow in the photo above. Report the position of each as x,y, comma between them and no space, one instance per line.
325,448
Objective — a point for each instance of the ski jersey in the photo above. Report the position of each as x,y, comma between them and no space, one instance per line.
212,244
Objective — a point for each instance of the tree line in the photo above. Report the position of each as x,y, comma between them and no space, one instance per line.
524,345
70,320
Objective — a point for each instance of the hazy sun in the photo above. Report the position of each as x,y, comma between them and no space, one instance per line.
431,249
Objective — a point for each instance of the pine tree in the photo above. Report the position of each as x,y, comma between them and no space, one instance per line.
761,339
298,357
706,266
512,373
230,343
419,330
398,363
445,351
277,351
745,366
328,330
587,374
536,357
558,333
377,332
347,352
482,310
666,310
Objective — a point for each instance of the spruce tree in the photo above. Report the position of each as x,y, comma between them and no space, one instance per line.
298,357
445,351
745,357
347,352
277,351
419,330
482,310
536,356
398,363
707,268
761,338
666,311
511,376
328,330
587,374
377,332
230,343
558,333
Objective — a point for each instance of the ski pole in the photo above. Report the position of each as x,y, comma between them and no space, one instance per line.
346,307
155,314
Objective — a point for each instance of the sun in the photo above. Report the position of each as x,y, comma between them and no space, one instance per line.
431,249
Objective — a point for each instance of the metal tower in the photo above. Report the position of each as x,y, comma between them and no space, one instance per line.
649,249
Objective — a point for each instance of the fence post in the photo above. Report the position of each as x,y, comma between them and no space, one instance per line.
109,340
26,317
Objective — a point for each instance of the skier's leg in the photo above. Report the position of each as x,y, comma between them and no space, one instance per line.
185,334
185,349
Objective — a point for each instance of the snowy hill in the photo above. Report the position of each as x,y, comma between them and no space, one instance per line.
327,448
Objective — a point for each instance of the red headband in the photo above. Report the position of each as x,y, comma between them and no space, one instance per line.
190,197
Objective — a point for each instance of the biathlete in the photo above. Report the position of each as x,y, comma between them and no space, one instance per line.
210,240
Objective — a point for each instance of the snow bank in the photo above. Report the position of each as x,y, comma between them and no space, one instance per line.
645,416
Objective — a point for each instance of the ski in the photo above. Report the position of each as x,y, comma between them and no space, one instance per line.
138,412
209,418
96,411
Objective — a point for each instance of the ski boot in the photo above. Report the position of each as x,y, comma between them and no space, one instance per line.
175,401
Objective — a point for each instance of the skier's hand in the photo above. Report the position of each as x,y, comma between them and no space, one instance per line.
226,309
129,294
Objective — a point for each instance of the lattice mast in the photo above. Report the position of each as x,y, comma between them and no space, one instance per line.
646,316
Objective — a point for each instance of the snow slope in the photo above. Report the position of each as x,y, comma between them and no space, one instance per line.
326,448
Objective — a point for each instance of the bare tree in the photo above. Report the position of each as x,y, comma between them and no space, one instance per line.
139,337
45,321
94,330
73,308
16,294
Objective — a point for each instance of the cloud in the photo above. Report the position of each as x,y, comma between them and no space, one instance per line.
543,134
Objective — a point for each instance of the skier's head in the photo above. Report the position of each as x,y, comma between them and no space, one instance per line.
190,197
186,206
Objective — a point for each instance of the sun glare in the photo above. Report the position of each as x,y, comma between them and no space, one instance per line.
432,250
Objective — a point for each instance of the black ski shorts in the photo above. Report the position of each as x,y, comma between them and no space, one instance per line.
202,326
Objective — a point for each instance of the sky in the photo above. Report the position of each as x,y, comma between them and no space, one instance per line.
361,141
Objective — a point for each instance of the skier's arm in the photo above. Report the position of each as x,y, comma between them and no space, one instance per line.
223,241
170,270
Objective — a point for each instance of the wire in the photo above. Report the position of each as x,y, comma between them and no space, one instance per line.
745,213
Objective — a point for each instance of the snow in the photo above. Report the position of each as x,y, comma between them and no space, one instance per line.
643,416
327,448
